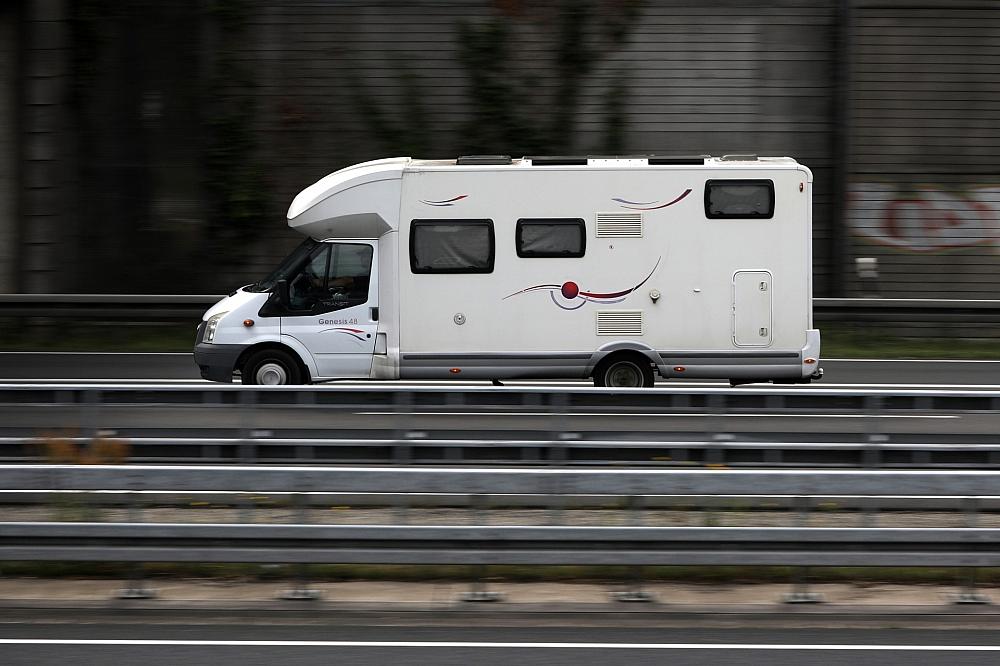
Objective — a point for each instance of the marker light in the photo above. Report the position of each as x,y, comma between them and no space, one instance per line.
455,371
679,368
809,361
248,322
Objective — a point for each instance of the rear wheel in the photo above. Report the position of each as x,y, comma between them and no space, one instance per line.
624,372
271,367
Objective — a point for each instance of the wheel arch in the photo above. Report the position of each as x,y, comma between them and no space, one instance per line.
623,348
307,372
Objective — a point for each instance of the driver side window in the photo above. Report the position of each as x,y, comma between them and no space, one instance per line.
335,277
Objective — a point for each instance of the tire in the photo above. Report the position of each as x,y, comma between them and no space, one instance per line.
624,372
271,367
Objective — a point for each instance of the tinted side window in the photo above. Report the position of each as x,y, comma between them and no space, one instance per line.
451,246
551,237
748,199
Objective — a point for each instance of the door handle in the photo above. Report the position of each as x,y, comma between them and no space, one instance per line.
373,312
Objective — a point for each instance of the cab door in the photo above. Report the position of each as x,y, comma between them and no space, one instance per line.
333,308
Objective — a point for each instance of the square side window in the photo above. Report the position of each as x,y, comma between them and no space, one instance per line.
551,237
739,199
451,246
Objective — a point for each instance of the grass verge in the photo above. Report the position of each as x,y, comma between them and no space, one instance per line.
503,573
858,342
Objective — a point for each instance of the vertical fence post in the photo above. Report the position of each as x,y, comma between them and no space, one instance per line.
872,455
969,593
715,435
558,406
402,449
478,590
634,591
135,586
301,590
801,594
248,445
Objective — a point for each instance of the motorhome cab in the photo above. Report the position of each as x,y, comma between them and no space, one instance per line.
620,269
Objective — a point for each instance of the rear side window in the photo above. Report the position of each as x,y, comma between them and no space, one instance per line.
739,199
451,246
551,237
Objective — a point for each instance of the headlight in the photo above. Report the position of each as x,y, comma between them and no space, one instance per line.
213,323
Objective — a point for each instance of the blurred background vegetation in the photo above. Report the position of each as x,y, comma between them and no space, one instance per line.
153,147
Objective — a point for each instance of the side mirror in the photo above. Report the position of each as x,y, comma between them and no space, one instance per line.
281,291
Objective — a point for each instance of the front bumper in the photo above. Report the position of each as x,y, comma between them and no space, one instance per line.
217,362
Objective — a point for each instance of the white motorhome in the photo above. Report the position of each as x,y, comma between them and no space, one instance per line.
484,267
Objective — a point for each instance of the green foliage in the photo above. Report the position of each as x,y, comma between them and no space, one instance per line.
235,179
510,109
405,135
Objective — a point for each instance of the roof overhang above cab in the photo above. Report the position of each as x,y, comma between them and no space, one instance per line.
361,201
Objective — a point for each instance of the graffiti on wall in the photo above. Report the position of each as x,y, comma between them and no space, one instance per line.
926,218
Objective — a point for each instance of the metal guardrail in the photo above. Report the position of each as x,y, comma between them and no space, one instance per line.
155,307
513,481
483,544
152,307
663,426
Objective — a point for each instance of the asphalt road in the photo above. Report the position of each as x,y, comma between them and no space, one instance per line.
78,366
303,644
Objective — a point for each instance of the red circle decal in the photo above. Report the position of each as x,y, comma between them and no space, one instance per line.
570,290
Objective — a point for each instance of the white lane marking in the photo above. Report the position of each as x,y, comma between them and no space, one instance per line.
432,412
397,384
400,385
489,644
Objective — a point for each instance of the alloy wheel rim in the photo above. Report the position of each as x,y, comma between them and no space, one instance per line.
271,374
624,375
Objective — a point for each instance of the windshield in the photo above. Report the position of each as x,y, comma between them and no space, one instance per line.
284,270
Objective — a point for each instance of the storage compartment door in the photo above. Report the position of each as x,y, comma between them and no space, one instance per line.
752,308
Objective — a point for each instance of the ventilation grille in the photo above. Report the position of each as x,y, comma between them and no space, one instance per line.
619,322
619,225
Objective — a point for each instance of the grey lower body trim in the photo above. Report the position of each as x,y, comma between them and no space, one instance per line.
217,362
494,366
739,364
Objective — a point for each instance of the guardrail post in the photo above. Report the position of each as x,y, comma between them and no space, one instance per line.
479,591
248,445
301,590
402,453
634,591
531,452
135,587
210,452
715,435
91,414
872,454
969,594
456,403
559,405
801,594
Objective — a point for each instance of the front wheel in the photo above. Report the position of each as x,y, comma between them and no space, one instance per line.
271,367
624,372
